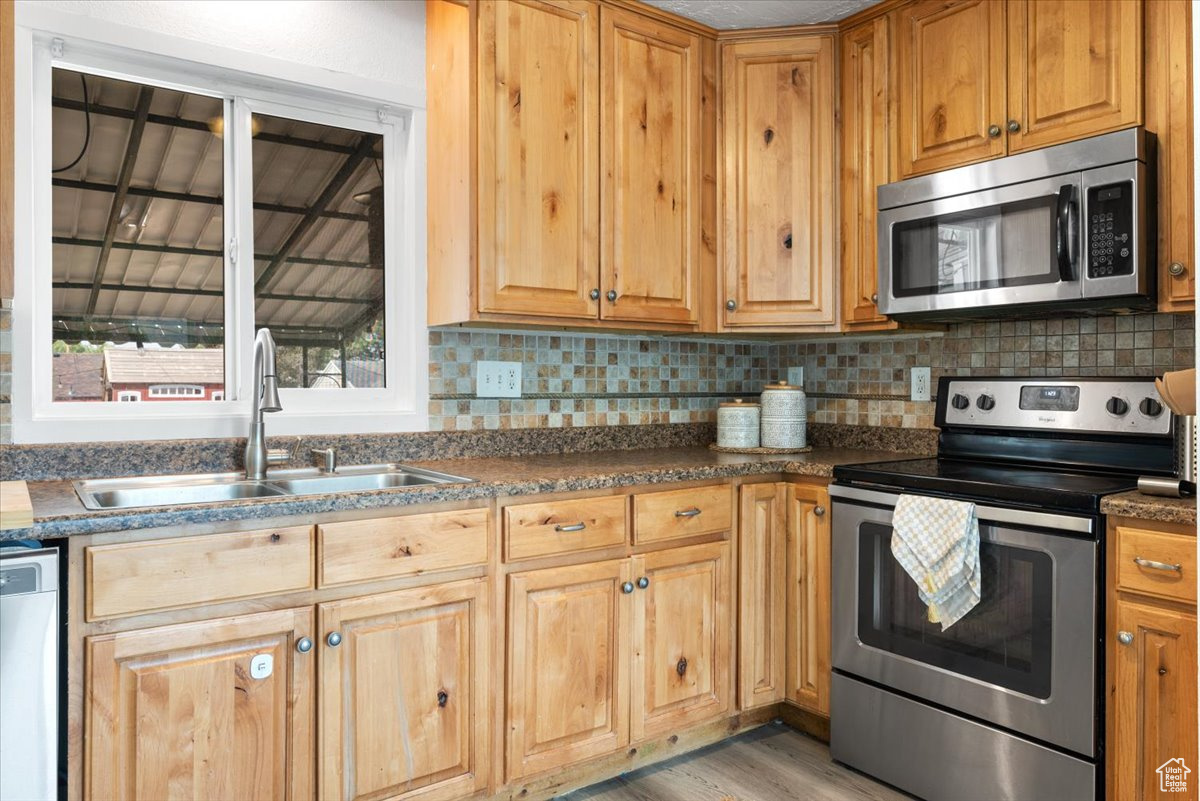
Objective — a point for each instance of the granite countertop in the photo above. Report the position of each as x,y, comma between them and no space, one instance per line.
58,512
1151,507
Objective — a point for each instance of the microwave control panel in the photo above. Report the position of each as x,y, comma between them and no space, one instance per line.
1109,230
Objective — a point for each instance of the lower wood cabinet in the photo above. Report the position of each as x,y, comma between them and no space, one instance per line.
808,598
763,588
219,709
604,653
1152,665
403,700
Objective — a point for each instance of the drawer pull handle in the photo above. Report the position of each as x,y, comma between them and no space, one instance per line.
687,512
1150,563
580,526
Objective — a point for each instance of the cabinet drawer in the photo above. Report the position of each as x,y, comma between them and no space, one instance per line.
541,529
389,547
137,577
1166,551
676,514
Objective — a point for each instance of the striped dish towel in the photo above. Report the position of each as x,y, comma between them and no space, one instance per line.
936,541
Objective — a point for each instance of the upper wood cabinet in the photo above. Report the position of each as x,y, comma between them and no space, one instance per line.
808,597
777,159
866,164
683,638
950,83
404,700
567,161
978,79
568,665
762,593
1170,115
213,710
538,157
651,169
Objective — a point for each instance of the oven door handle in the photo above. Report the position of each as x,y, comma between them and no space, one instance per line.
1067,227
990,514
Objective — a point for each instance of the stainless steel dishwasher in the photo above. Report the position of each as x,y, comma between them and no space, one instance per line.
28,674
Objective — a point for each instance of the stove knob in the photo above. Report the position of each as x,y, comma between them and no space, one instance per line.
1117,406
985,402
960,401
1150,407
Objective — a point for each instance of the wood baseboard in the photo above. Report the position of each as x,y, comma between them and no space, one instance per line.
808,722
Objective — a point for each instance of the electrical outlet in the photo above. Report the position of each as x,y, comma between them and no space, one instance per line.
919,379
497,379
796,376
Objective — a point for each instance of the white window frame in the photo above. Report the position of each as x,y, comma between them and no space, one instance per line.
128,395
218,395
163,390
47,39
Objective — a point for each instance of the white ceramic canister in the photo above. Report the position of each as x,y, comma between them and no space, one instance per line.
784,418
737,424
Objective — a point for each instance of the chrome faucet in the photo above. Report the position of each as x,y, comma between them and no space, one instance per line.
266,399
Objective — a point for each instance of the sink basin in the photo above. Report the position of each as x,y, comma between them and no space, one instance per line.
128,493
155,491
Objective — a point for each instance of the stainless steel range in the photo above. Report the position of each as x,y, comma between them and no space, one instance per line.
1007,702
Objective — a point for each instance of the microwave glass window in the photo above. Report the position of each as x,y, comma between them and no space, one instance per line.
1011,244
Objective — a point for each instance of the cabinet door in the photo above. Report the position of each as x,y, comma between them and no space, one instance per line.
216,710
865,165
1169,115
683,638
762,596
404,701
1152,708
808,602
950,83
1074,69
538,158
650,169
777,145
568,665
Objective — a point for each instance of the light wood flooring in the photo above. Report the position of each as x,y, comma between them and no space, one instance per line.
771,763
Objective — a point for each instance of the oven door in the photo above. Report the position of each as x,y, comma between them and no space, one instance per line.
1015,244
1024,658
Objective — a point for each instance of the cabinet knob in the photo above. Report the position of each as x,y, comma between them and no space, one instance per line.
994,131
644,582
627,587
611,295
594,294
819,511
304,645
731,304
333,640
874,297
1125,637
1014,126
1176,269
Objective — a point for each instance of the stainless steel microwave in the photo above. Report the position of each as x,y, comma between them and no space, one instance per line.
1068,227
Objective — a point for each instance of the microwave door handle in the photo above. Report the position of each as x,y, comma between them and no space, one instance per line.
1068,232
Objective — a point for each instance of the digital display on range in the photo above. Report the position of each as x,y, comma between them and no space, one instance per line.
1050,399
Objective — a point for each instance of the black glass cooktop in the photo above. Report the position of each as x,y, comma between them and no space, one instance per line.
1019,485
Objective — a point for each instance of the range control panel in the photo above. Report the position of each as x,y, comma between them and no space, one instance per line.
1110,406
1109,230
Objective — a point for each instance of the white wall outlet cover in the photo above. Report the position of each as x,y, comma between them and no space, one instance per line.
919,378
261,666
795,376
497,379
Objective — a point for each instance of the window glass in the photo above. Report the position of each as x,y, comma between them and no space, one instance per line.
318,239
138,266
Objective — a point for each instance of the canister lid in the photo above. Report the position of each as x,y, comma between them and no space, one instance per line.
738,403
780,385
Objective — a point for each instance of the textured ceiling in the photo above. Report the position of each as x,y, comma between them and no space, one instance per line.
727,14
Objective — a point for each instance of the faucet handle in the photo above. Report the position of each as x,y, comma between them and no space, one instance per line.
278,456
328,455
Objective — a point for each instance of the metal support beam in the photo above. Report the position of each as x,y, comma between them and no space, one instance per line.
188,329
188,197
366,146
145,95
215,254
215,293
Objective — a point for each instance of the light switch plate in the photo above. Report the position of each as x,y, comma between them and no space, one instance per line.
919,378
497,379
796,376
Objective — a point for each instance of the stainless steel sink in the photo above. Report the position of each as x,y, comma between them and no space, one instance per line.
127,493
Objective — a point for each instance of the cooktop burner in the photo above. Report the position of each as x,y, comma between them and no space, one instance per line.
1037,487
